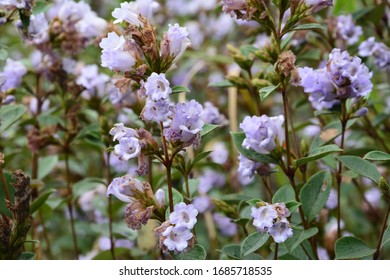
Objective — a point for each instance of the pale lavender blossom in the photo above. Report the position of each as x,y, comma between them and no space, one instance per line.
219,153
263,217
202,203
210,179
124,188
33,106
373,196
113,55
93,81
331,203
157,111
211,114
178,40
263,134
195,33
71,12
184,215
232,6
12,74
38,29
318,5
160,197
91,25
322,253
147,7
247,167
186,123
19,4
347,30
378,50
220,26
8,99
225,225
127,12
129,146
119,99
119,131
281,230
157,87
176,238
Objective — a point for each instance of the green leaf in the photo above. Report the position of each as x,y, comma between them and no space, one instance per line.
308,26
232,250
41,7
350,247
207,128
284,194
266,91
377,156
9,114
46,165
253,201
253,242
107,255
179,89
238,138
3,54
386,237
247,49
318,153
196,253
302,236
315,193
24,18
287,40
193,185
344,7
361,167
27,256
221,84
293,205
199,157
37,203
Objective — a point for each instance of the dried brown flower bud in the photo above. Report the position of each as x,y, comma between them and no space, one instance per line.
136,215
286,62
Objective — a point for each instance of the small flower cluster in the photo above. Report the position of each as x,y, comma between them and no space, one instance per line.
175,234
347,31
343,77
378,50
139,197
263,134
272,219
12,75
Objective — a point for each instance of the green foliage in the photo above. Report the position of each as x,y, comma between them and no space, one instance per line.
317,153
350,247
284,194
179,89
253,242
207,128
9,114
38,203
196,253
266,91
46,165
377,156
361,167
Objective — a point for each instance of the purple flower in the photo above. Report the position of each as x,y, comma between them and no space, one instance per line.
211,179
178,40
124,188
160,197
129,146
211,115
380,52
373,196
127,12
157,87
281,231
186,123
91,25
19,4
347,30
263,217
263,133
38,30
113,55
331,203
119,131
93,82
232,7
247,167
176,238
12,75
220,154
157,111
184,215
202,203
225,225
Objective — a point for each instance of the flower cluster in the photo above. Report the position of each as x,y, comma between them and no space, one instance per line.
12,75
317,5
139,197
347,30
263,134
272,218
175,234
378,50
225,225
343,77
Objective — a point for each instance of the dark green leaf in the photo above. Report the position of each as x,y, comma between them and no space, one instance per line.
308,26
253,242
284,194
266,91
361,166
314,194
318,153
196,253
27,256
292,205
302,236
200,156
179,89
9,114
386,237
350,247
37,203
207,128
377,156
233,251
253,201
238,138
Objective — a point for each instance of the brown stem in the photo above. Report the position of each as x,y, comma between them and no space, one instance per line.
288,148
276,251
168,166
70,205
267,187
382,232
110,213
339,176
